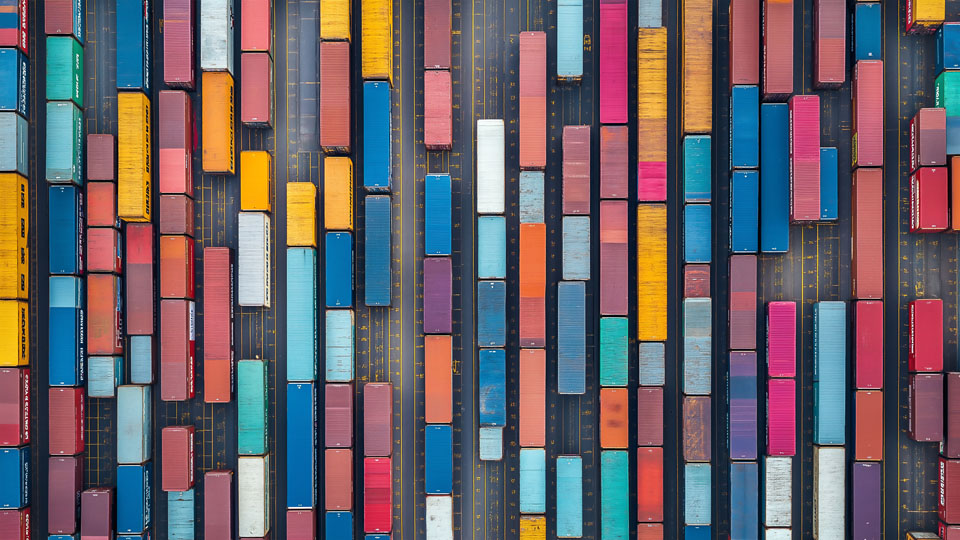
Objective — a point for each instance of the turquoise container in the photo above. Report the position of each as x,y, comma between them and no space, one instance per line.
339,345
569,496
64,143
697,500
570,39
491,247
697,170
533,480
613,351
614,495
181,519
64,70
251,407
301,314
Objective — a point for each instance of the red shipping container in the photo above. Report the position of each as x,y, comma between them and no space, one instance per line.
868,350
176,215
218,505
650,531
101,160
928,138
613,62
64,482
926,407
951,442
948,532
576,170
175,142
256,29
301,525
830,43
256,89
781,417
15,524
335,96
103,250
948,507
926,335
804,158
177,460
743,302
929,208
614,417
139,289
104,336
338,479
14,406
744,42
377,495
16,35
955,193
176,267
649,484
96,514
533,100
614,144
58,17
217,324
868,443
696,281
533,284
377,419
437,31
781,339
868,114
650,416
778,51
867,232
533,397
177,349
697,435
437,109
338,415
102,204
178,71
613,258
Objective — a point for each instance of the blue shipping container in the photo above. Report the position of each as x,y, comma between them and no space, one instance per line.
141,359
105,374
301,314
867,33
134,410
67,352
745,127
64,143
697,501
697,239
533,481
438,459
744,501
65,230
531,197
569,496
491,443
744,188
339,345
134,498
697,168
491,247
301,446
15,74
14,145
133,45
377,153
652,364
742,399
14,477
492,382
829,171
614,494
571,337
181,518
491,314
829,372
338,278
376,254
339,526
576,247
948,46
570,39
437,215
774,178
697,532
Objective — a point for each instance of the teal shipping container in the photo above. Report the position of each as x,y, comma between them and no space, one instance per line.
614,495
829,184
533,481
134,429
491,247
697,500
829,372
697,236
64,143
104,375
491,443
13,143
301,314
569,496
251,407
697,170
652,364
570,39
64,70
531,197
181,519
141,359
613,351
339,345
576,247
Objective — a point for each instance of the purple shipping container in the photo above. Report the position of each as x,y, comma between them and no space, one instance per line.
437,295
743,405
951,443
866,501
782,339
377,419
96,514
613,61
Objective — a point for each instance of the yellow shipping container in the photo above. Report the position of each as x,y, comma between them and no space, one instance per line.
652,272
256,180
533,528
219,152
14,333
652,94
376,38
14,224
697,57
337,194
301,214
925,15
134,183
335,20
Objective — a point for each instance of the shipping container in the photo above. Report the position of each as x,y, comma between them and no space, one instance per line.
64,483
867,32
14,349
697,436
104,315
175,140
65,69
338,525
868,425
571,337
216,35
947,506
744,127
490,166
697,172
829,505
829,372
928,138
139,293
532,97
256,29
570,505
652,272
102,204
613,61
781,339
301,214
177,349
219,145
377,245
947,532
15,477
778,49
377,126
614,494
948,47
614,151
652,110
335,21
697,73
744,17
134,498
744,492
576,247
438,379
335,96
532,482
614,418
697,494
742,401
103,250
376,38
301,446
491,387
437,213
576,169
570,40
14,145
256,180
302,335
106,373
181,514
177,458
649,531
533,247
696,281
256,89
696,346
14,237
176,266
613,257
774,178
438,459
926,335
377,494
929,203
491,314
866,517
301,525
217,505
614,352
804,158
777,491
926,407
830,43
339,269
950,447
437,29
252,408
829,184
338,479
438,104
64,136
178,31
531,197
134,182
650,416
96,514
867,146
14,406
781,417
14,22
491,247
101,161
176,214
60,17
14,66
697,237
134,429
867,234
218,324
650,475
337,194
377,419
133,45
254,259
490,443
744,211
253,496
924,16
439,518
437,295
338,415
742,320
339,346
66,420
955,193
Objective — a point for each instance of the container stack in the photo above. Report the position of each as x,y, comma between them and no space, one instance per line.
177,479
217,95
923,16
253,503
934,135
781,389
868,362
830,405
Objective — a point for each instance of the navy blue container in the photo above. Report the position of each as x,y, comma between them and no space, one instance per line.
744,500
571,337
744,186
14,72
829,184
339,526
492,387
697,244
948,46
436,215
491,314
438,457
745,127
65,230
67,336
376,255
133,45
774,178
377,152
301,446
867,37
339,269
14,477
134,498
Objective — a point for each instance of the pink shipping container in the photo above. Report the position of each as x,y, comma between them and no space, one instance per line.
301,525
438,110
778,51
613,61
101,157
14,406
926,407
256,89
929,200
744,42
175,140
217,505
437,24
782,339
15,524
377,419
178,71
781,417
614,155
140,284
830,43
64,483
650,416
867,95
951,440
576,170
96,514
256,25
613,257
868,347
338,424
533,100
804,158
66,420
926,335
866,225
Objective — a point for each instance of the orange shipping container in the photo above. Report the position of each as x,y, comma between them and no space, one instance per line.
650,531
219,152
533,380
650,484
338,479
868,443
697,440
614,417
176,267
104,336
533,272
438,372
697,76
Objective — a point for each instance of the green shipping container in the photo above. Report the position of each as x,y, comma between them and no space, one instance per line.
613,351
64,143
251,407
64,70
614,495
948,92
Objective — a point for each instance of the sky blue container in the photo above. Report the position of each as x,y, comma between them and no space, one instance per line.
948,46
697,240
697,532
437,215
531,197
492,387
744,500
13,143
697,170
301,314
252,407
134,409
829,372
134,498
576,247
64,143
490,443
15,72
867,33
571,337
614,495
829,171
339,345
491,247
533,481
133,45
105,375
376,254
652,364
696,494
774,178
491,314
64,70
569,496
377,152
744,188
65,230
338,278
14,477
745,127
570,39
141,359
181,520
301,446
438,458
614,351
651,14
66,339
339,526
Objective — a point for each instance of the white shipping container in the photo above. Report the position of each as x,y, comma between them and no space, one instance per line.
133,424
253,495
216,35
778,534
440,517
491,443
253,259
490,167
829,470
777,491
576,247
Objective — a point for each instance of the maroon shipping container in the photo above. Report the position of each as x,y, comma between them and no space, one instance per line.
650,416
176,215
928,138
176,267
743,302
175,142
696,281
867,232
437,295
613,162
948,532
217,505
176,350
576,170
830,43
139,286
613,257
338,479
256,89
64,482
57,16
217,323
377,419
301,525
438,110
949,505
178,48
338,415
66,420
437,25
926,407
950,447
177,460
335,96
868,348
804,158
533,100
929,200
103,250
96,514
926,335
868,114
15,524
101,157
102,204
256,29
777,49
696,428
744,42
14,406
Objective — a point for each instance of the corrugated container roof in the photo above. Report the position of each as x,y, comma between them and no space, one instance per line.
335,96
697,433
533,102
490,443
868,114
216,35
178,47
697,503
744,42
338,415
64,482
491,313
377,419
867,234
533,380
576,247
781,339
531,197
256,89
438,109
652,110
437,28
533,479
614,351
377,269
744,492
614,151
339,345
491,387
697,365
614,493
614,264
338,479
652,364
781,417
742,403
571,337
778,48
829,479
437,295
743,302
830,42
217,506
576,169
438,379
777,491
570,39
697,171
613,61
490,166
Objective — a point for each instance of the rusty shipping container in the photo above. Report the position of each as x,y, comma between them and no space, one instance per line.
576,170
867,234
533,380
778,49
335,96
696,281
104,312
697,442
533,100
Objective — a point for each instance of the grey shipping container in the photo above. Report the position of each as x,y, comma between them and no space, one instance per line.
576,247
13,143
531,197
134,410
571,337
652,364
253,260
491,443
651,14
141,359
